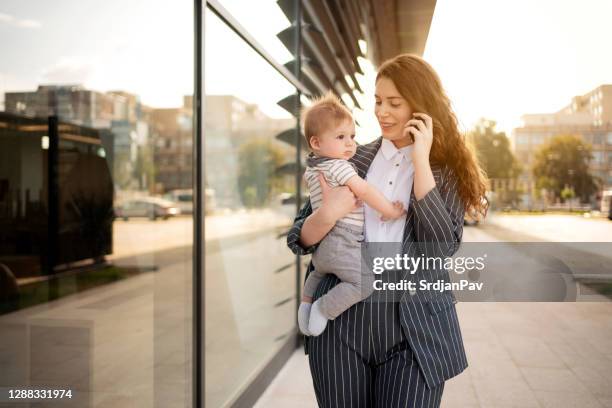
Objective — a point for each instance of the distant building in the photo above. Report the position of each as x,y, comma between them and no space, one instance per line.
231,123
597,104
71,103
588,116
120,112
171,132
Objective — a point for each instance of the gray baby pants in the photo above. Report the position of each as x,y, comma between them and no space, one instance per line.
339,253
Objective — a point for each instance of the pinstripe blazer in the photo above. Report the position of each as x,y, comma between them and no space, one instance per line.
434,227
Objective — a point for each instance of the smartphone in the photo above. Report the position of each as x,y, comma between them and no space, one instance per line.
410,134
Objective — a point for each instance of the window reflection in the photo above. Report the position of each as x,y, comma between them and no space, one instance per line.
249,13
96,206
250,181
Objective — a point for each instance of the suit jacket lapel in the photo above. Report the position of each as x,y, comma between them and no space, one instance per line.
436,170
365,155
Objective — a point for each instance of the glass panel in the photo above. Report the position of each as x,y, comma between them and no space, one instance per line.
95,263
249,15
250,181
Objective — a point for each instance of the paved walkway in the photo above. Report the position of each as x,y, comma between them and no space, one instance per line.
520,355
556,227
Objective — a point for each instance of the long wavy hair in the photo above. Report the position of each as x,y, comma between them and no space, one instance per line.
421,87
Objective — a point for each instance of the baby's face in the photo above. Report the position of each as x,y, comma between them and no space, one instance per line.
337,142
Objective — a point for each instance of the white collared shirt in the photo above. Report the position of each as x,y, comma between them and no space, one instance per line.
392,173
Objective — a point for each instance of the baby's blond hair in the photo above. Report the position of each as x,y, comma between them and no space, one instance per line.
324,112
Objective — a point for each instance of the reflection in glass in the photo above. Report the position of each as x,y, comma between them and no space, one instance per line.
95,201
249,14
250,181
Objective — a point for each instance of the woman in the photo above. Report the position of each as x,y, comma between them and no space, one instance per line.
381,353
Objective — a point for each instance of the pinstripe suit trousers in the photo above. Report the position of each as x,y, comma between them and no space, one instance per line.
363,359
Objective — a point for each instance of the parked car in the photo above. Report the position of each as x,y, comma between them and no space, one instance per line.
289,198
150,207
286,203
183,199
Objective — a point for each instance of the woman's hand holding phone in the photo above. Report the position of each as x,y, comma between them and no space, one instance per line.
420,130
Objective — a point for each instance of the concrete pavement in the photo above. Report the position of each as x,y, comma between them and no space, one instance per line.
555,227
519,354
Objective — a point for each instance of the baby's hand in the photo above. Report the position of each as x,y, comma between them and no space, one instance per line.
398,211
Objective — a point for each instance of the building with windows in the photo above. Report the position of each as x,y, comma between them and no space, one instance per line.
588,116
236,129
171,130
73,102
117,111
597,104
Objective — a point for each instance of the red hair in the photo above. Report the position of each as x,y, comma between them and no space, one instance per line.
421,87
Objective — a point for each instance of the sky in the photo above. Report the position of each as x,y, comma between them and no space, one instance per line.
502,59
497,59
141,46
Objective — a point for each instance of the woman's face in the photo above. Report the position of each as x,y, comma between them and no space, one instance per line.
392,112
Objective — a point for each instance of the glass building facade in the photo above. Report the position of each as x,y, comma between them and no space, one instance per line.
249,275
96,258
145,195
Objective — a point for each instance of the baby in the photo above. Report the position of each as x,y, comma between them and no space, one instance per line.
330,131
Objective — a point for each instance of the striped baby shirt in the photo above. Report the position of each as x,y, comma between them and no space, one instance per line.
336,172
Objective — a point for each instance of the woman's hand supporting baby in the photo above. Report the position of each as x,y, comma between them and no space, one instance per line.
336,203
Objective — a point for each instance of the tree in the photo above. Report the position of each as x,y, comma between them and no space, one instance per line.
257,177
563,163
567,193
144,168
493,151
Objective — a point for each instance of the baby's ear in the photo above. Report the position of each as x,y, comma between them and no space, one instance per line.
315,142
